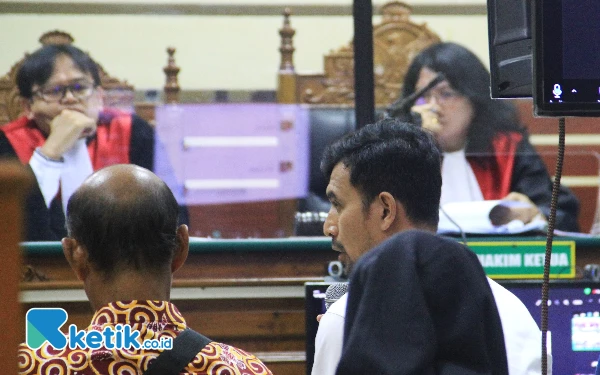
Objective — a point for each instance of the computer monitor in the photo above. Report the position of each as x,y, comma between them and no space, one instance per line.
510,38
574,321
566,57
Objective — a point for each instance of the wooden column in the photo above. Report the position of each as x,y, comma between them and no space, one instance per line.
286,94
14,183
171,88
286,88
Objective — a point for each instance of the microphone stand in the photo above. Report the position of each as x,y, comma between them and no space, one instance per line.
401,105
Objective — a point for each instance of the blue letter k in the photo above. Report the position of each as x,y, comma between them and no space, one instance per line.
130,338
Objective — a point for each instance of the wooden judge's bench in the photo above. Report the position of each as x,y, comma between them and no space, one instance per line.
247,293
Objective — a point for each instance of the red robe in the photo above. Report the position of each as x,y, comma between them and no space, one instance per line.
109,146
495,178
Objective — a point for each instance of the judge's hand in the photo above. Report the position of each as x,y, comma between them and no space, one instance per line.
65,130
526,213
319,317
429,117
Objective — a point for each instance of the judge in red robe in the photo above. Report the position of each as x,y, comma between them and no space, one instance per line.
65,135
487,154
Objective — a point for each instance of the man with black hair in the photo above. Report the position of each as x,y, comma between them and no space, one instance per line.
124,242
65,134
384,187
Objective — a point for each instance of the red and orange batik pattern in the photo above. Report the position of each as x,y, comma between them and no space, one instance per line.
154,320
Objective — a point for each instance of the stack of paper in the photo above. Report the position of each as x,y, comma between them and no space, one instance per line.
474,217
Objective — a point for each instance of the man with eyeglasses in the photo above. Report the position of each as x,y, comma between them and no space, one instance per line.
65,135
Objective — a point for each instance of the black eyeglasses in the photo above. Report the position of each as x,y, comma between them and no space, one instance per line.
80,90
441,96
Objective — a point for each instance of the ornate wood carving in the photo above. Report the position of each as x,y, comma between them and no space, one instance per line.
10,101
397,40
172,85
287,43
56,37
286,86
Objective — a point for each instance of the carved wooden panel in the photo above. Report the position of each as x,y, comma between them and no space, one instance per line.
10,104
397,40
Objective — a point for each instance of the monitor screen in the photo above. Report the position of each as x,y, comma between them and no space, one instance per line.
574,321
509,36
567,57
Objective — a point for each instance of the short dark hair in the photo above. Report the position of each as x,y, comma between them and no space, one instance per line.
129,230
467,74
37,67
396,157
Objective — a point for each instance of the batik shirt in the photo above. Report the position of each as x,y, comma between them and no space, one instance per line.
154,320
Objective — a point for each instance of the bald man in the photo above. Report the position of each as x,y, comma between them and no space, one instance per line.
124,243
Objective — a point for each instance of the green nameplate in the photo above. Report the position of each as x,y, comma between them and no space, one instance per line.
525,260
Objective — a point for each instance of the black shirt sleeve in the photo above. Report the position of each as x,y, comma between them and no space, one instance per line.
41,223
141,151
530,177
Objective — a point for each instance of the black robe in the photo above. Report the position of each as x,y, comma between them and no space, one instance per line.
421,304
48,224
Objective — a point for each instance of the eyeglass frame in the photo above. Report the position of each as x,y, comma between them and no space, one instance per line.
443,96
64,88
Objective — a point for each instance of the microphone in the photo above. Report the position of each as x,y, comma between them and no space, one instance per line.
334,292
402,104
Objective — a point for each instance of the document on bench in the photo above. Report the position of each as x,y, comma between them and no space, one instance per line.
233,153
474,217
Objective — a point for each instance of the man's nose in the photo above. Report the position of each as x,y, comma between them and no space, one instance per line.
330,226
68,96
433,100
434,104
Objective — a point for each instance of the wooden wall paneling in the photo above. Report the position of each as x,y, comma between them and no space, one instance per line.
267,219
217,265
14,182
270,264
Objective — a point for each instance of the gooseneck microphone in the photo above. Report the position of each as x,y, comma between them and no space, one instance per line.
402,105
334,292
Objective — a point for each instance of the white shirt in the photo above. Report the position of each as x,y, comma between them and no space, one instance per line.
68,174
328,343
522,336
459,183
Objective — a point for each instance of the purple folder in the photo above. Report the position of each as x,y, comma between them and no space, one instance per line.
231,153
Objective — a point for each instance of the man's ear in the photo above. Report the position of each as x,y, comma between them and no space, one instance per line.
183,246
77,257
388,210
